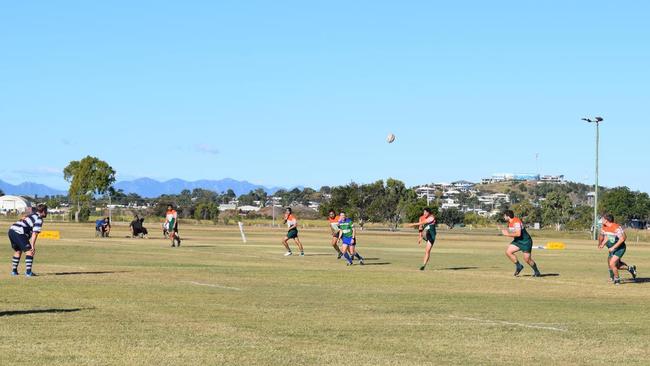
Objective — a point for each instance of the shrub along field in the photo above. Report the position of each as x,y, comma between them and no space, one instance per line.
218,301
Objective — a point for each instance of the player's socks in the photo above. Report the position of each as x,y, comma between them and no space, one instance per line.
14,264
29,261
535,270
347,257
632,270
611,275
423,267
518,268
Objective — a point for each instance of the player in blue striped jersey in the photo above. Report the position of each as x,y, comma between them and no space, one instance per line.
23,235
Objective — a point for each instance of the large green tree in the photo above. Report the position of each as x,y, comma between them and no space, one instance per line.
625,204
451,217
556,209
88,177
528,213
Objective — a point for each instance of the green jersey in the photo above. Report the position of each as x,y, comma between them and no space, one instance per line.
346,226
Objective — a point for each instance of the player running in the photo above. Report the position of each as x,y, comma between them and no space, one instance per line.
348,237
522,241
292,233
613,236
333,219
427,230
23,235
171,224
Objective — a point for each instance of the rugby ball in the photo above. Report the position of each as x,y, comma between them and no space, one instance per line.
390,138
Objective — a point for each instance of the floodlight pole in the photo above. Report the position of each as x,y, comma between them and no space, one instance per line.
597,121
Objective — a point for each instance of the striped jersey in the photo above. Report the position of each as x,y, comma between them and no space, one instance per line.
28,225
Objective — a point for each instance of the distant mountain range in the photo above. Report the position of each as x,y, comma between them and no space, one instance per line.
29,189
147,187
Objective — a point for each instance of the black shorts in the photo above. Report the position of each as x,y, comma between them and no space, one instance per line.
19,242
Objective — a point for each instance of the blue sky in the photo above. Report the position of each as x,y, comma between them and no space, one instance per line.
287,93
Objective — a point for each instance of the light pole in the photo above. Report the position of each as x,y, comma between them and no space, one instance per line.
597,121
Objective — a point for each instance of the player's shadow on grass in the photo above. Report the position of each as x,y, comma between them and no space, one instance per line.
82,273
459,268
545,275
41,311
369,262
638,280
320,255
199,246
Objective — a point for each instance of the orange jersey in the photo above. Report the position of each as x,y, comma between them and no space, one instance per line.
171,214
613,233
427,219
515,224
291,220
334,224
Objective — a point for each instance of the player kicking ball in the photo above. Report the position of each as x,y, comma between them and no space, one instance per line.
292,233
333,219
347,235
613,236
522,241
427,230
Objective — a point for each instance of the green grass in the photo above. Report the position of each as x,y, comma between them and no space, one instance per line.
216,301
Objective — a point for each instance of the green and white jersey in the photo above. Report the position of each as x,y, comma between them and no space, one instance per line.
346,226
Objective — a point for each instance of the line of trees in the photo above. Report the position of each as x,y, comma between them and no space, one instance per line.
561,206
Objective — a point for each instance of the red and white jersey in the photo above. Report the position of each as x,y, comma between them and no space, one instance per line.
515,224
171,214
291,220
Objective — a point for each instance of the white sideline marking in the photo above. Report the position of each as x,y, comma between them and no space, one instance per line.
509,323
212,285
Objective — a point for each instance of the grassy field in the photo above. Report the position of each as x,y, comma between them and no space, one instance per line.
217,301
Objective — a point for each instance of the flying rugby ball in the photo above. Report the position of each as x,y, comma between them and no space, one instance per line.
390,138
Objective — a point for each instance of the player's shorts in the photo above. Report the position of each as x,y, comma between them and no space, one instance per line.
19,242
430,237
348,241
619,252
172,225
524,246
292,234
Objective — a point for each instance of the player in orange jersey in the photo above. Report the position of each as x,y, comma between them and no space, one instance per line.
292,224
